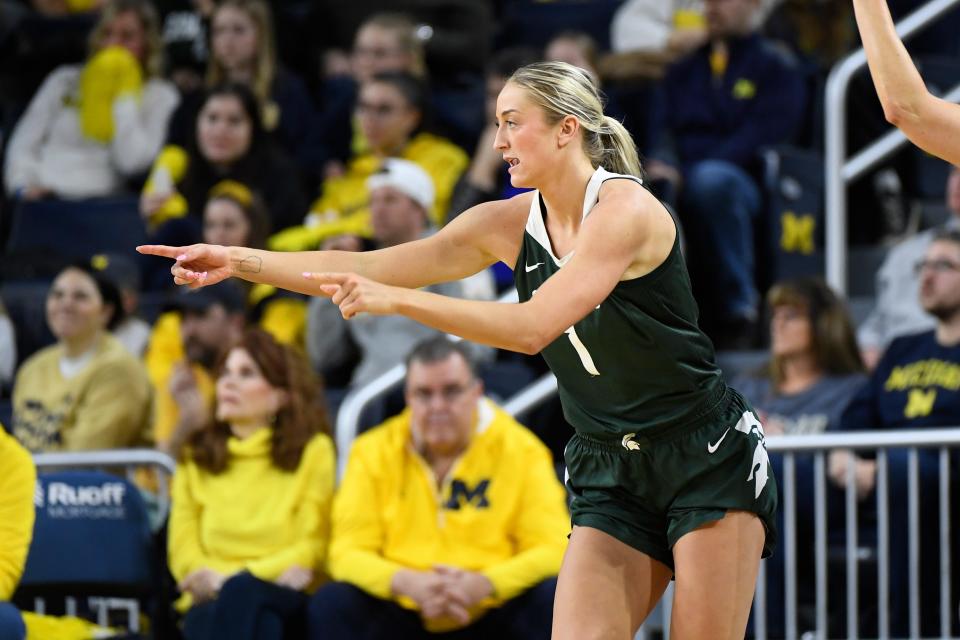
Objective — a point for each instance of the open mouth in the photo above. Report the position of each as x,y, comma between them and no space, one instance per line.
512,161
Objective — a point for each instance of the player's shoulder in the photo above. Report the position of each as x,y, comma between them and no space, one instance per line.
627,193
506,211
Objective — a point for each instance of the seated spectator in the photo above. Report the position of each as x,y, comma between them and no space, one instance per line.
230,144
898,311
401,195
249,521
242,50
16,528
184,348
721,105
86,391
814,371
384,42
450,516
391,109
913,386
92,127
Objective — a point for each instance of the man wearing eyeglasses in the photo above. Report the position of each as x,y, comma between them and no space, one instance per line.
898,311
916,384
450,518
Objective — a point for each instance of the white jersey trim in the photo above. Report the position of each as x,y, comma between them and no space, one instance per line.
538,230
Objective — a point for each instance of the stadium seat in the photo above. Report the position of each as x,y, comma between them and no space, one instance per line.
82,228
794,188
91,540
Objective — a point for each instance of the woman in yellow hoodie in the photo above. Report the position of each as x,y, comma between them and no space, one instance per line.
251,499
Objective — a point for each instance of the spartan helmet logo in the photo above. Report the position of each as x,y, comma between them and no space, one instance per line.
629,443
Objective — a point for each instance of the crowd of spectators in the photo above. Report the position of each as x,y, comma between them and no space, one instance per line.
316,126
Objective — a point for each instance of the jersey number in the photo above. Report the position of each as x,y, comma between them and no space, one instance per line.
581,350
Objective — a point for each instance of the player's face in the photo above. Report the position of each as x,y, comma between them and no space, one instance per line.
225,223
940,279
244,396
790,331
75,309
442,397
524,138
234,38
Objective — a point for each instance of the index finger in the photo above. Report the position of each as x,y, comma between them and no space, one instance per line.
162,250
326,277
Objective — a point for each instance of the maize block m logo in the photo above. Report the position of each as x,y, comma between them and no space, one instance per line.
461,494
919,403
797,236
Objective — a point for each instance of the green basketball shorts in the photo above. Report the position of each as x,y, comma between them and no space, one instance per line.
649,489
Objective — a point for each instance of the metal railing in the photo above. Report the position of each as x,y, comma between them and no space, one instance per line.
129,459
839,171
882,442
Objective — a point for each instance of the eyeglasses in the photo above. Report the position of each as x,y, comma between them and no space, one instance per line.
939,266
382,110
450,393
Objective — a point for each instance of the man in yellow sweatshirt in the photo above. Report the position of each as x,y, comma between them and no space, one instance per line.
17,484
450,517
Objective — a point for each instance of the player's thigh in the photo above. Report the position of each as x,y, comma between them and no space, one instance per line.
716,573
606,588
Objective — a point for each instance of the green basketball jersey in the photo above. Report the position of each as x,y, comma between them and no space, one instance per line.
639,360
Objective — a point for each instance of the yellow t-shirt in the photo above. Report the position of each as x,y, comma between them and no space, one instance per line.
106,405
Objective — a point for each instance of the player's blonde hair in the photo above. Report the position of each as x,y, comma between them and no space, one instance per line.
561,90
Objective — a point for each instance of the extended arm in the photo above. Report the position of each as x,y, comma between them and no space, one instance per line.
488,232
929,122
627,235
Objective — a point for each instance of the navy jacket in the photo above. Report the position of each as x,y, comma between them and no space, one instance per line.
759,101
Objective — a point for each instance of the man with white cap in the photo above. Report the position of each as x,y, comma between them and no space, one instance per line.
401,194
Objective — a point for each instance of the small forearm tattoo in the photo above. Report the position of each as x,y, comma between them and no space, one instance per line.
250,264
